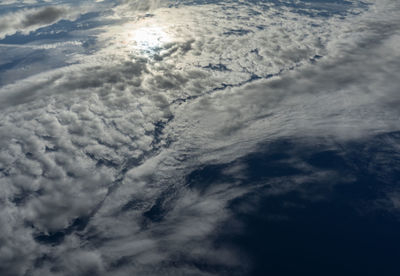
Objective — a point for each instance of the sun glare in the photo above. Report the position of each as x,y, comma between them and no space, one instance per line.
148,39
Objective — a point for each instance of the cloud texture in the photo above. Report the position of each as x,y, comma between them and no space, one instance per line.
29,20
95,157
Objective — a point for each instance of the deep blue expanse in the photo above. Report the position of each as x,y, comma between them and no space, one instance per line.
330,227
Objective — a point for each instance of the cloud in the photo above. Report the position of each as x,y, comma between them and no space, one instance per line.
329,97
19,2
132,7
29,20
44,16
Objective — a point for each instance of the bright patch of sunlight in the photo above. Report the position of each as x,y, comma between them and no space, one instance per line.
148,39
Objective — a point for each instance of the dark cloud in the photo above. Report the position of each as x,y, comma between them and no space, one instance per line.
28,20
44,16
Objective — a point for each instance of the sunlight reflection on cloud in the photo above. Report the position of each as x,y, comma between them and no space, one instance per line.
143,37
149,38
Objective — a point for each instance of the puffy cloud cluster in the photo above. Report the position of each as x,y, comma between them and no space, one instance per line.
95,157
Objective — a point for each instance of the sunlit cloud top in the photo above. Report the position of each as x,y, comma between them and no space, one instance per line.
147,39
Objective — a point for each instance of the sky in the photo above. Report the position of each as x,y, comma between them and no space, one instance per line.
149,137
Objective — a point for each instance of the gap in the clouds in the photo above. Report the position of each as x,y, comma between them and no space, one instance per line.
313,208
22,197
57,237
310,206
158,134
237,32
324,220
253,77
223,85
217,67
163,204
288,235
26,63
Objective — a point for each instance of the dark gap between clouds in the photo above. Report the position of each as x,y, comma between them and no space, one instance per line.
317,228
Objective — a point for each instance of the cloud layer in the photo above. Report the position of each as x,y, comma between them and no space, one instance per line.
96,157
